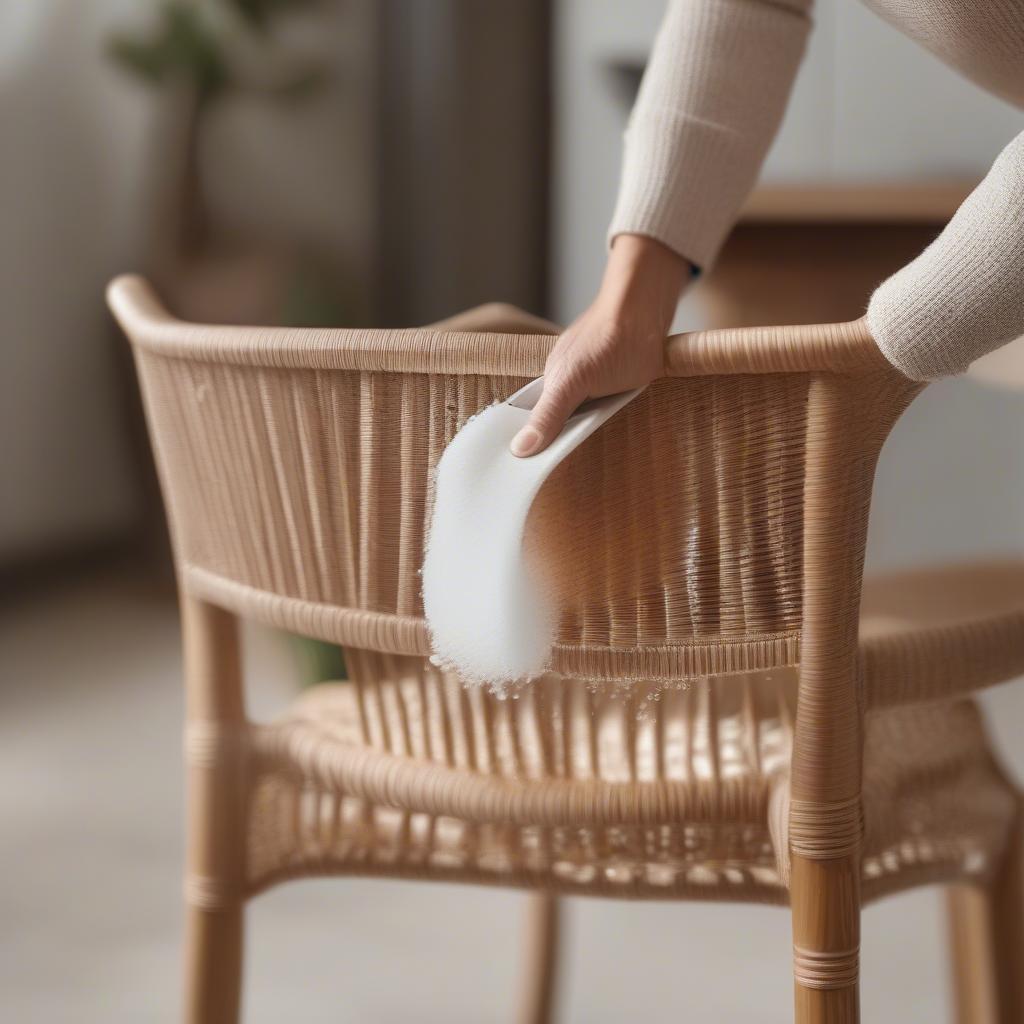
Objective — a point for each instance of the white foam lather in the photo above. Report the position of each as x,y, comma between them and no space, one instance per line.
490,614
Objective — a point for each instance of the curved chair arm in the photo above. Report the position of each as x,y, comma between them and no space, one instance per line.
828,348
941,632
437,349
459,345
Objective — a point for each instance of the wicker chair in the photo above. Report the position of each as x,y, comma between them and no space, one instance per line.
722,720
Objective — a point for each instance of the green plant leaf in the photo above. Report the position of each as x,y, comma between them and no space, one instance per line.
189,43
145,59
194,48
183,43
258,13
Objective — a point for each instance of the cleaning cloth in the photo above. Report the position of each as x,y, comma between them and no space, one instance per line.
489,609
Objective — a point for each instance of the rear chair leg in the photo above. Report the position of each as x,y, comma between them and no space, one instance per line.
540,982
987,942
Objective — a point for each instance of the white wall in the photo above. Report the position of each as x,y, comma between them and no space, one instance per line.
69,141
72,177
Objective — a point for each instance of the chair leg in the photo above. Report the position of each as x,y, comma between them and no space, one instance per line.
213,965
1008,929
540,982
987,943
825,897
216,755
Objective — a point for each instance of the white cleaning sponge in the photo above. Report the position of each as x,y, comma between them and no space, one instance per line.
489,610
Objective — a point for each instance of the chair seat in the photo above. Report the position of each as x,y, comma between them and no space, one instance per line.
633,789
932,633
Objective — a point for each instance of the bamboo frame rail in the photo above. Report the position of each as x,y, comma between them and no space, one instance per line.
835,348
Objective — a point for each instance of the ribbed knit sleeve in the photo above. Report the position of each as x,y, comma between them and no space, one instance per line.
964,295
709,105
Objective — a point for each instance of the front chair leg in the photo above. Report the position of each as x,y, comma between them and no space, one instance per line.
825,898
216,743
213,965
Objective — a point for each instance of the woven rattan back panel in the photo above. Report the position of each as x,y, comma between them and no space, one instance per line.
674,534
309,484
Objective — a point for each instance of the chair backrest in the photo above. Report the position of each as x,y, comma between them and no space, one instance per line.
296,468
718,523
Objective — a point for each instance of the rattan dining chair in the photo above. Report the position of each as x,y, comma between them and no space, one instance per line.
723,719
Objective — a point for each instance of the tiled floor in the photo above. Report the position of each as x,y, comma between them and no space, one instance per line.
90,861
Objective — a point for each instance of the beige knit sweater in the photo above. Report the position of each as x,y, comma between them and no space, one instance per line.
710,104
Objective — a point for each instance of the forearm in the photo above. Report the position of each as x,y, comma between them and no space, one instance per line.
643,277
964,295
709,106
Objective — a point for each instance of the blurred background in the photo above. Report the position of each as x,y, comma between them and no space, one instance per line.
390,162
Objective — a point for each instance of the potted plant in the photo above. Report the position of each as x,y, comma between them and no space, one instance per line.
197,55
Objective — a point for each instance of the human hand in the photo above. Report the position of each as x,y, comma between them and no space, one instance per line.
617,344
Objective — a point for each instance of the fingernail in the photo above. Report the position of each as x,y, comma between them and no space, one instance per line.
525,442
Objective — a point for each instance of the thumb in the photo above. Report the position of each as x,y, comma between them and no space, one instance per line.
556,404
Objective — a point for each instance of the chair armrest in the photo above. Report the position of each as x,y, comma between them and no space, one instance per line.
832,348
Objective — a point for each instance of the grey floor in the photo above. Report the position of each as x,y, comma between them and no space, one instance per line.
91,850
